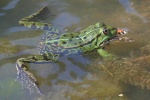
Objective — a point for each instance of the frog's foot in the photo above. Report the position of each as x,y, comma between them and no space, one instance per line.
42,14
26,78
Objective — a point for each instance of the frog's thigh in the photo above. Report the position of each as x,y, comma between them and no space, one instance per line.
43,58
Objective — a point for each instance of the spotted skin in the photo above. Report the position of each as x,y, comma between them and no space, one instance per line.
53,44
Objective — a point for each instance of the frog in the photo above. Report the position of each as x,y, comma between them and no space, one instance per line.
54,45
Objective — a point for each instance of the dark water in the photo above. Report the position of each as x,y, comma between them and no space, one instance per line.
67,75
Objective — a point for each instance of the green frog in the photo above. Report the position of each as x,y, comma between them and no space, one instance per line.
54,45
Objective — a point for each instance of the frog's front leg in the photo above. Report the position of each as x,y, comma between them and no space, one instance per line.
25,77
106,55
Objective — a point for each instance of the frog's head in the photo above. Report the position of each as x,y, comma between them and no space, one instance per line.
109,33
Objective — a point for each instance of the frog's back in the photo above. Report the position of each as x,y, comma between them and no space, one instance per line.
69,43
78,39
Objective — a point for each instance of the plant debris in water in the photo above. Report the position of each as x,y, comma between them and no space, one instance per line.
134,71
6,47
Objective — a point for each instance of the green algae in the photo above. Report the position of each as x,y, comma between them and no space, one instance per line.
6,46
134,71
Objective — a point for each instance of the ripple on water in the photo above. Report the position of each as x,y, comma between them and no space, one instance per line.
11,5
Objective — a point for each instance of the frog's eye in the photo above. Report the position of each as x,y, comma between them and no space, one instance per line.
105,31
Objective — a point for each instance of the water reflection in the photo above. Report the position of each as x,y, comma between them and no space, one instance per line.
70,76
129,9
66,18
2,14
72,72
11,5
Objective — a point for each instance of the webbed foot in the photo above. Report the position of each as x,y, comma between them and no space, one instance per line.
26,78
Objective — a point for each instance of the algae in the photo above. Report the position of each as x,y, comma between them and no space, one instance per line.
134,71
6,46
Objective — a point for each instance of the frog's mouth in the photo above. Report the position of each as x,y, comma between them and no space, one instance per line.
118,37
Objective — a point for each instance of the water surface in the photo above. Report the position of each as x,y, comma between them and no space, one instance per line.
70,73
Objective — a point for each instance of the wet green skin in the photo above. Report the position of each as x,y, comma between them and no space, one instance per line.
53,45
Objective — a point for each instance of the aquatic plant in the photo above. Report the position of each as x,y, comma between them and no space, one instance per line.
6,47
134,71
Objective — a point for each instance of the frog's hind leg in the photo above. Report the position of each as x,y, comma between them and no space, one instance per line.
33,21
25,77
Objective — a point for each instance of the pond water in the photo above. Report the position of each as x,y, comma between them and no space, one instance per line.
65,79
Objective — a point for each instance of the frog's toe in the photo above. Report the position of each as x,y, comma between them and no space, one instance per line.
27,80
